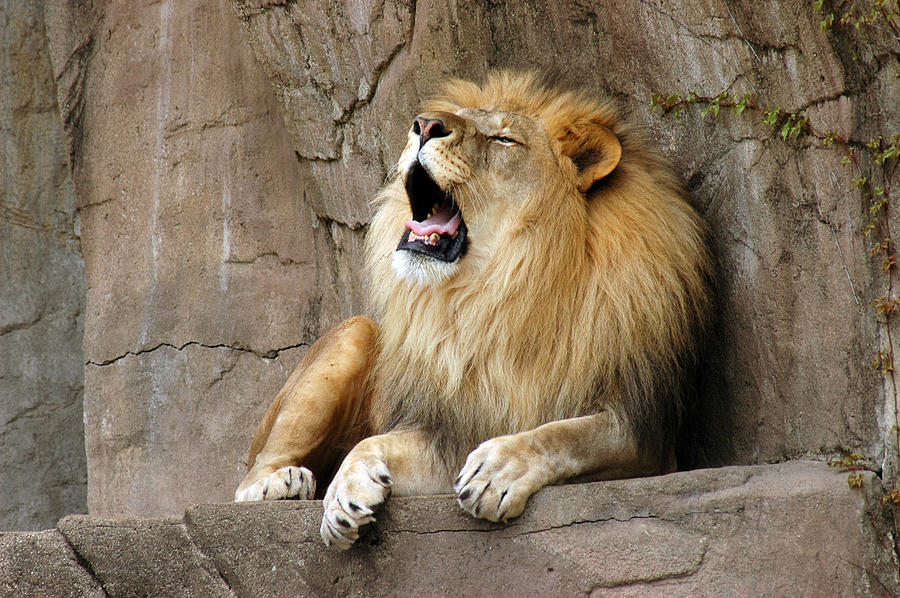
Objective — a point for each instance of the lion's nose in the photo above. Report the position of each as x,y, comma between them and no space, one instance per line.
427,128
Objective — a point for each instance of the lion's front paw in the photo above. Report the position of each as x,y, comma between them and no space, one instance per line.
287,482
360,485
498,478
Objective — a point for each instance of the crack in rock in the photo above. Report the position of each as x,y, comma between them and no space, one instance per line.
329,221
16,326
189,527
284,261
650,581
270,354
18,217
509,531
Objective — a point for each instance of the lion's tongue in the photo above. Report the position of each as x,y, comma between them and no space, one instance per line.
443,223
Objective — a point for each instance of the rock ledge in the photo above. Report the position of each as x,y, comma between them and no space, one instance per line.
792,529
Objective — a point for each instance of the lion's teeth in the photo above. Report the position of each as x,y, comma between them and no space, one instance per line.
433,238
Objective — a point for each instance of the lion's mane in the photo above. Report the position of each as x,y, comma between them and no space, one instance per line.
579,302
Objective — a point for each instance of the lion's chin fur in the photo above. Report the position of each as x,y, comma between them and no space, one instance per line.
420,270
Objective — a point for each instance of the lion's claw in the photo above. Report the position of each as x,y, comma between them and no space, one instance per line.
286,482
360,485
496,481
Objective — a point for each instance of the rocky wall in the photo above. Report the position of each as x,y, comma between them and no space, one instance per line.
223,157
208,272
42,458
788,370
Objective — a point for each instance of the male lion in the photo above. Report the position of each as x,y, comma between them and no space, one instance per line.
536,320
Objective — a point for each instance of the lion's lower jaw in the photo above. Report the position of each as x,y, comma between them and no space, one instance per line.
421,270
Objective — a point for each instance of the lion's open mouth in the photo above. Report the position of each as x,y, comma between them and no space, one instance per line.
437,228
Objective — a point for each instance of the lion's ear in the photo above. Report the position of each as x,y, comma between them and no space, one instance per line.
594,150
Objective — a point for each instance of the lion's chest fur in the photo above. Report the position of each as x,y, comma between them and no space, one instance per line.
481,358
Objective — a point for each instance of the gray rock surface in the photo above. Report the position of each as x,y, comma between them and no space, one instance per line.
42,459
208,274
789,367
794,529
223,158
142,557
43,564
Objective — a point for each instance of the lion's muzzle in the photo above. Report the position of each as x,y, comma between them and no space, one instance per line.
437,228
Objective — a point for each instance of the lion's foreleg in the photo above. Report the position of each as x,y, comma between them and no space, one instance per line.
320,413
398,461
500,475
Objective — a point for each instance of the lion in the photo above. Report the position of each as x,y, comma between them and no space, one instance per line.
541,287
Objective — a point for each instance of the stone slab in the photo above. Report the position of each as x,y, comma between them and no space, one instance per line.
43,564
143,557
207,272
794,529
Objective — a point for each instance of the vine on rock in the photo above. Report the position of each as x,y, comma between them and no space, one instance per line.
854,464
872,163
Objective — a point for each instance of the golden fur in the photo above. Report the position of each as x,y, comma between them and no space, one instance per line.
555,347
564,303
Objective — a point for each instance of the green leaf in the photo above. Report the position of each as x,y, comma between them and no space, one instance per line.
798,127
788,127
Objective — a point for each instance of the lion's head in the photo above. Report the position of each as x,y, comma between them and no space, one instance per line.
475,147
532,260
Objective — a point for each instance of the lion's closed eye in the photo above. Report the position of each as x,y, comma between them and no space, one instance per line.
504,140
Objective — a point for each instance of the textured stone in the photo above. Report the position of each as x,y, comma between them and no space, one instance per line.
788,372
793,529
42,564
188,439
223,201
207,271
42,458
142,557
